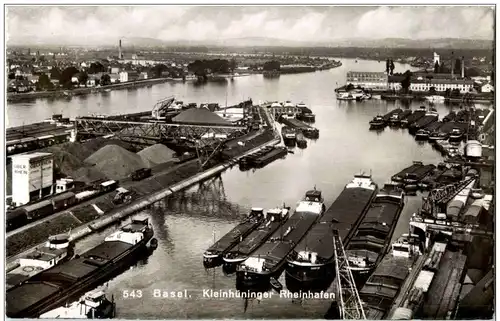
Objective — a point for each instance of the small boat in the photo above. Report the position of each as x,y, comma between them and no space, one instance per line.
301,141
377,122
289,135
93,305
344,95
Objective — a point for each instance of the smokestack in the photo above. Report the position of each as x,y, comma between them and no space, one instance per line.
463,67
120,49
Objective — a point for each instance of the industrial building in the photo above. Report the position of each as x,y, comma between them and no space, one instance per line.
368,80
32,177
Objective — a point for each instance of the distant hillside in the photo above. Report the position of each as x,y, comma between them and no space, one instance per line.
444,43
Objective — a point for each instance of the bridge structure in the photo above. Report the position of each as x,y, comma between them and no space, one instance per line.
204,139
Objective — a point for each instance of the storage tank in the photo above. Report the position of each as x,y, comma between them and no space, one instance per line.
473,148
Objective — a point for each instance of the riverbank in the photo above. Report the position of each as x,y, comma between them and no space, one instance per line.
15,97
82,222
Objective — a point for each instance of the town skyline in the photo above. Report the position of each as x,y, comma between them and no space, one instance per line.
315,25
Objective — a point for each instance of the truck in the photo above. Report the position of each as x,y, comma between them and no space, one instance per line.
122,196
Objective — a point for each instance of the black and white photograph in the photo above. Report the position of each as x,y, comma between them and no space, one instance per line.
249,161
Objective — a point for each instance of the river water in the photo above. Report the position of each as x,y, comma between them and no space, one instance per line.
185,224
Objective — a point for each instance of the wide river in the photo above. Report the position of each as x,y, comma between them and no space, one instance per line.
185,224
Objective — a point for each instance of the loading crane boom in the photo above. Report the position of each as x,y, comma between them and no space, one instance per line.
348,300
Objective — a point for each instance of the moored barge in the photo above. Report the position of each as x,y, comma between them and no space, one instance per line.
429,117
310,266
308,131
289,135
399,177
267,262
378,122
62,283
213,255
275,218
373,236
417,114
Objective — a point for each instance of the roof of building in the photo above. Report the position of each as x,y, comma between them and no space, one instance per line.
443,81
200,116
31,155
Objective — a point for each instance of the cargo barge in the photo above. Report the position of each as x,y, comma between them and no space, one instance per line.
378,122
93,305
417,114
429,117
395,119
275,218
306,114
308,131
384,284
390,114
311,265
265,265
269,157
402,174
425,133
213,255
65,282
58,249
414,177
373,236
289,135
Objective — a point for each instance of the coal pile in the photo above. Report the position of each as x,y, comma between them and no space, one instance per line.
156,154
87,174
115,162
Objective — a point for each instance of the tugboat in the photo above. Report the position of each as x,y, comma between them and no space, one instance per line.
311,265
275,218
374,233
268,261
377,123
93,305
213,255
53,287
58,249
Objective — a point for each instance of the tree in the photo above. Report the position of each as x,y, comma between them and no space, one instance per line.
436,67
96,67
455,92
406,82
55,73
447,92
44,83
66,76
387,66
105,80
432,90
232,65
12,75
82,78
272,65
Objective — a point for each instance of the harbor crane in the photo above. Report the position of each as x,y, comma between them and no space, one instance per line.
347,296
439,197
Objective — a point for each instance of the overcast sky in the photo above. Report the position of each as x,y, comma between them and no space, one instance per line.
100,24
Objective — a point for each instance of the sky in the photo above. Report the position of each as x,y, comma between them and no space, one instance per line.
101,24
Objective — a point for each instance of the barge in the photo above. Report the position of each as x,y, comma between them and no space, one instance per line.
418,174
425,133
265,265
395,119
378,122
450,117
373,236
213,255
311,265
93,305
65,282
417,114
308,131
382,287
429,117
275,218
270,156
389,115
301,141
399,177
58,249
289,135
306,114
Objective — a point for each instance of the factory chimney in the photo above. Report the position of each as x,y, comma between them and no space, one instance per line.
463,67
120,49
